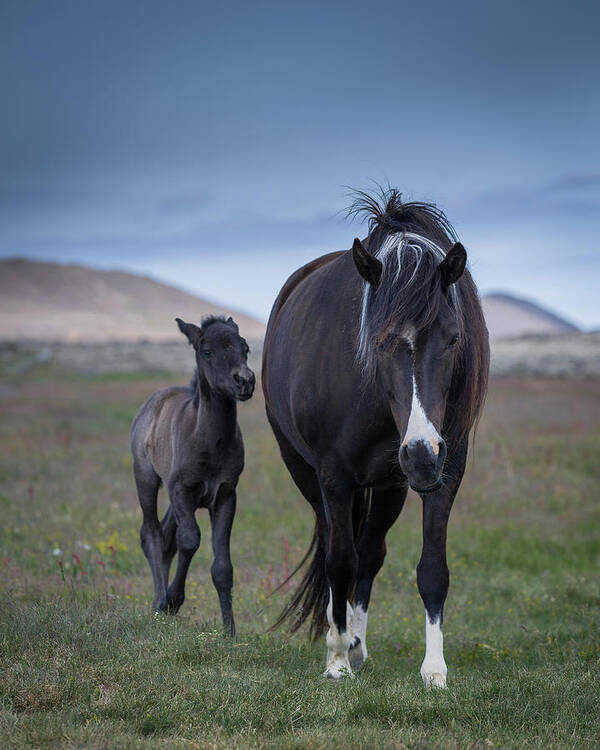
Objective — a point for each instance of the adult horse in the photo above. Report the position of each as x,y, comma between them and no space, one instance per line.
375,370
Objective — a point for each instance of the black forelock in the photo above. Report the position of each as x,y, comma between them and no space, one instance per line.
386,212
209,320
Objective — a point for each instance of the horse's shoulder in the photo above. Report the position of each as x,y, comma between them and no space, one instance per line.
300,274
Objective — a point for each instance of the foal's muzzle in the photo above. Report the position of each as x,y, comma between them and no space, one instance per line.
422,466
244,383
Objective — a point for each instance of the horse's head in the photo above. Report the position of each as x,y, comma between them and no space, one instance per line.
409,339
221,357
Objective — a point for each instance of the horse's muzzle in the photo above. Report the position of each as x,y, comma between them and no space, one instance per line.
422,466
244,384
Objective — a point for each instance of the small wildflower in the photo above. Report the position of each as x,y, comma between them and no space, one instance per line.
57,552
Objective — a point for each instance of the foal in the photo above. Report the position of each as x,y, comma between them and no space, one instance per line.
189,438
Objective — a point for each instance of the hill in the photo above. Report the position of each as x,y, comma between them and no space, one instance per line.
55,302
510,317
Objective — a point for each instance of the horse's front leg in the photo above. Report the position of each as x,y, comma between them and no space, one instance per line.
433,576
183,503
341,564
385,506
221,518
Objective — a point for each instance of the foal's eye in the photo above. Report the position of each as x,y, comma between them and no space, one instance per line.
207,353
453,341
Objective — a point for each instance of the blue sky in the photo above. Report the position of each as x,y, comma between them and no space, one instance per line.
208,144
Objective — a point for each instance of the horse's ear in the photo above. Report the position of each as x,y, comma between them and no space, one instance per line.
231,322
453,265
368,266
189,330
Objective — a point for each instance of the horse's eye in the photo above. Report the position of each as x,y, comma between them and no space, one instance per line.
453,341
207,353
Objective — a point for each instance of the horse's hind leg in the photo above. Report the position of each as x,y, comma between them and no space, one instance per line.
341,566
188,540
385,507
221,518
147,483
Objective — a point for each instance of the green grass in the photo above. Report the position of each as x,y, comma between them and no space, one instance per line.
85,663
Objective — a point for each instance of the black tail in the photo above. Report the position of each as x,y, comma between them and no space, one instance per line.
312,594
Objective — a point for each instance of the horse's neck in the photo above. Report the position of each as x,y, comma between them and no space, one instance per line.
216,417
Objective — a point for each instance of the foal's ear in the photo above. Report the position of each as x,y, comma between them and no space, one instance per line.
231,322
453,265
189,330
368,266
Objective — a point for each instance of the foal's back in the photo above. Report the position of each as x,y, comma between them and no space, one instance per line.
164,420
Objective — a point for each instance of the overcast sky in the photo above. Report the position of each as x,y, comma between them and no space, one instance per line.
207,144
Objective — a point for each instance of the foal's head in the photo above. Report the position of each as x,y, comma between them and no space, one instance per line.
422,338
221,356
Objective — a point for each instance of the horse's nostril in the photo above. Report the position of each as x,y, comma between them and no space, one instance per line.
421,453
238,379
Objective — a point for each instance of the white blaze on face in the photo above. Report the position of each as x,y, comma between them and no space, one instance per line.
433,669
419,426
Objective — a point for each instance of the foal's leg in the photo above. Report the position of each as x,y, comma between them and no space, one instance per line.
183,504
385,509
340,566
432,571
169,531
221,520
147,483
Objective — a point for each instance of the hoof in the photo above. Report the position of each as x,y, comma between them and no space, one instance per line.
434,679
338,668
357,654
335,672
169,606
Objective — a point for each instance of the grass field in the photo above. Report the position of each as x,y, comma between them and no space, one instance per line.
85,663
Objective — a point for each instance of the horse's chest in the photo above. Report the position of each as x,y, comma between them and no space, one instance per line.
210,469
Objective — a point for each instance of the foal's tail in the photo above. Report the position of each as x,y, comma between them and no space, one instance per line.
312,595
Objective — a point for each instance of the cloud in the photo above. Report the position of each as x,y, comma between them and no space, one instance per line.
576,181
187,202
569,198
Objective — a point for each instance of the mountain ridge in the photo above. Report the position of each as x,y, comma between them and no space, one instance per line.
43,300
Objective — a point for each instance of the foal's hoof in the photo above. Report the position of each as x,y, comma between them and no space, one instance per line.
357,654
169,606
